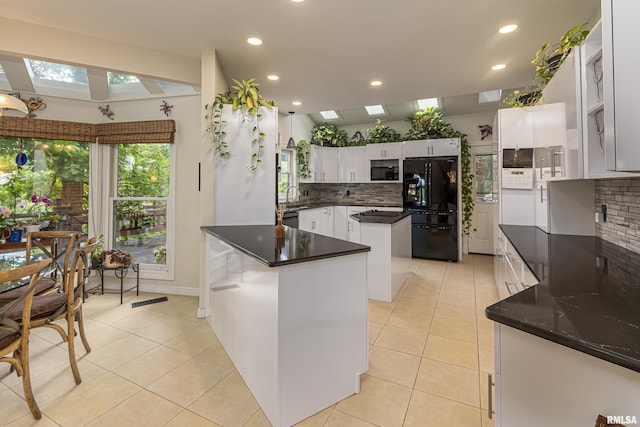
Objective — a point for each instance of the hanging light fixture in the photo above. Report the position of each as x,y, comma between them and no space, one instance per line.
291,144
10,101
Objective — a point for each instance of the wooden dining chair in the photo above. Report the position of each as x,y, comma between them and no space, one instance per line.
14,334
46,309
57,245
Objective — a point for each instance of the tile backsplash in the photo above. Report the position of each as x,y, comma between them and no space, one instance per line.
388,194
622,197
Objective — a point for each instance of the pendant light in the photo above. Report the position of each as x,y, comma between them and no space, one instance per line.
291,144
10,101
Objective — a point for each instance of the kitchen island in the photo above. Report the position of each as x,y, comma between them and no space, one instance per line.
291,314
568,348
389,236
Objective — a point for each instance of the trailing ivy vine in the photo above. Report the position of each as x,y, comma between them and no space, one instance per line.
303,155
244,95
428,124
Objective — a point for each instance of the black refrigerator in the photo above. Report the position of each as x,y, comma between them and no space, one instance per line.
430,191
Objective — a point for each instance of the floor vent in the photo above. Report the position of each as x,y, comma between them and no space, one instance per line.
147,302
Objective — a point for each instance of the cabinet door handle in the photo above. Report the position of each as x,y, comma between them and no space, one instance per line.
490,384
508,284
541,198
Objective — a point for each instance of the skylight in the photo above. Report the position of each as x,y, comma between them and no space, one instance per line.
57,72
117,78
428,102
489,96
375,110
330,115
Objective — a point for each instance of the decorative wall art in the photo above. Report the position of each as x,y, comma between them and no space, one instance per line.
107,111
166,108
485,131
34,103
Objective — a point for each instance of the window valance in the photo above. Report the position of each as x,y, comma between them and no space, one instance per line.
141,132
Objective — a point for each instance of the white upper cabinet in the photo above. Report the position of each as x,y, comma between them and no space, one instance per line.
329,164
431,147
389,150
352,164
621,68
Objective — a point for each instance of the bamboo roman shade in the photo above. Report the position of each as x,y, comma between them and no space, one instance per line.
143,132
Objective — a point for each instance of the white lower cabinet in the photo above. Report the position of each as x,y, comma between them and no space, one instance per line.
511,273
542,383
318,220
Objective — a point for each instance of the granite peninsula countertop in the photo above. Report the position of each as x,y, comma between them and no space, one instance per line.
588,297
380,217
259,242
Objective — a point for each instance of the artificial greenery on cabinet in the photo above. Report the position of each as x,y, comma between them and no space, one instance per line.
303,156
429,124
244,96
381,133
328,135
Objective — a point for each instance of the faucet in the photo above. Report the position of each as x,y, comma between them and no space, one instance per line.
289,188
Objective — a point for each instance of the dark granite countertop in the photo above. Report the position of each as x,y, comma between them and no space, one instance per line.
298,206
380,217
259,242
588,297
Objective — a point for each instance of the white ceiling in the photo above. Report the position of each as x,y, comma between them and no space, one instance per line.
327,51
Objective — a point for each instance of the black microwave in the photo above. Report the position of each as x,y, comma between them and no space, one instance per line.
385,173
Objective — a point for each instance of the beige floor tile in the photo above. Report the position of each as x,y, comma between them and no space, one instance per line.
379,312
188,418
457,298
152,365
170,327
120,352
401,339
455,312
89,400
316,420
414,320
142,409
193,342
43,358
428,410
379,402
259,419
486,358
452,351
138,320
13,407
374,330
449,381
28,421
228,403
340,419
189,381
104,335
456,329
485,335
215,355
393,366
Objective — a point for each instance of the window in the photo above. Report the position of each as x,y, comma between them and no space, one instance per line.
286,173
51,188
486,178
142,202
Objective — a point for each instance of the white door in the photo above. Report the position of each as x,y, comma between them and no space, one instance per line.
484,164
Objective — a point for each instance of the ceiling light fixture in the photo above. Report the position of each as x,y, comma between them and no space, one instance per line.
291,144
10,101
273,77
376,83
254,41
508,29
498,67
296,103
297,1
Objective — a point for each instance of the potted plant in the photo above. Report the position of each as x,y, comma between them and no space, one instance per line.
380,134
6,223
113,258
244,96
328,135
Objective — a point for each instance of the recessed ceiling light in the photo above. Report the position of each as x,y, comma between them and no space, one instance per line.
254,41
297,103
428,102
375,110
330,115
273,77
508,29
489,96
498,67
297,1
376,83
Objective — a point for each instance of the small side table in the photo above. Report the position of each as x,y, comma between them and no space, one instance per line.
120,273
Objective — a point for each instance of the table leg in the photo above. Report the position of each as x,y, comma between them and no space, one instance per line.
121,285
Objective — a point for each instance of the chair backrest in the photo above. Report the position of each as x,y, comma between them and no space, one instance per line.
79,269
57,245
29,270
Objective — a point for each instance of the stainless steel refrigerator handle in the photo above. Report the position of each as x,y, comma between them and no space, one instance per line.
490,410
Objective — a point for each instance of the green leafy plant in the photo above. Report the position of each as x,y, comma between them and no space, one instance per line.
245,96
530,96
303,156
328,135
381,133
160,255
118,255
429,124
